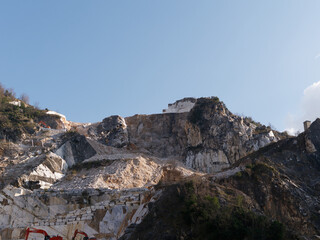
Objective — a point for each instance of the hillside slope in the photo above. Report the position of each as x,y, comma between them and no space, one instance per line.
272,193
105,177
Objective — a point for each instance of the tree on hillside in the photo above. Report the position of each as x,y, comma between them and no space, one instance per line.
9,93
25,98
2,89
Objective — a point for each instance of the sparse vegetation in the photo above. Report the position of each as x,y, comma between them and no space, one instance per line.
24,98
196,114
16,117
249,166
262,129
249,120
211,220
197,209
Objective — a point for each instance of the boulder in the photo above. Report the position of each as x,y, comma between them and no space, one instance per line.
112,131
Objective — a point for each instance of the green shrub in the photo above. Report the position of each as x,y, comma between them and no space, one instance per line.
15,120
208,219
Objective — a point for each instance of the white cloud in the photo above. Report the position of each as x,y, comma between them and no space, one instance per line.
309,109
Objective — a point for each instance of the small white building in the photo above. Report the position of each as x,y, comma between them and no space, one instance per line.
16,103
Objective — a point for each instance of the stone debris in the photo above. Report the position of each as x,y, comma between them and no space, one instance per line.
70,208
100,177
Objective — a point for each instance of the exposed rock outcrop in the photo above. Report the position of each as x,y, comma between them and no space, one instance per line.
101,213
76,149
103,178
209,138
278,183
112,131
54,120
62,181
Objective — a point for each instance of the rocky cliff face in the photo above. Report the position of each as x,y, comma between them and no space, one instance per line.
60,181
101,177
74,183
283,179
112,131
208,138
272,193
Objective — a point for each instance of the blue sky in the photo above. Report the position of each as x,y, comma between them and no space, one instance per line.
92,59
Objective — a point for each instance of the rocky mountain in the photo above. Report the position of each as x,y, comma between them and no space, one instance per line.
195,171
279,183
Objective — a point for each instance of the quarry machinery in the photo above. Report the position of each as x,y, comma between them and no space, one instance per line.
43,124
46,236
76,232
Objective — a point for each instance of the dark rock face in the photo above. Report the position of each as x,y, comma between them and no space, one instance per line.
31,185
284,179
112,131
313,133
53,121
160,134
76,149
276,196
11,134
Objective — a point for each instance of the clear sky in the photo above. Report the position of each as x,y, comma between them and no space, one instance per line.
92,59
